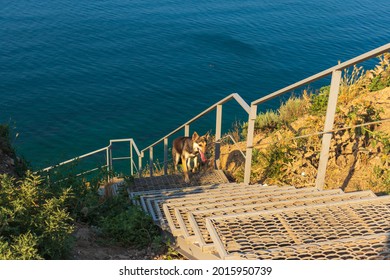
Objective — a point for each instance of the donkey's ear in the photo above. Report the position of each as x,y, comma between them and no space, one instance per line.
195,136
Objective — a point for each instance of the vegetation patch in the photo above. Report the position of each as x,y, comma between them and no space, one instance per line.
33,224
38,216
358,156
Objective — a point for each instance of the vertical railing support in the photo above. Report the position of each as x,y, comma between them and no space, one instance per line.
140,164
131,158
151,161
108,153
165,156
249,143
187,130
111,168
218,129
329,120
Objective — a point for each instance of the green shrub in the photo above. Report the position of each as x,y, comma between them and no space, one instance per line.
379,83
265,122
292,109
319,102
83,193
21,247
273,162
33,225
130,227
268,121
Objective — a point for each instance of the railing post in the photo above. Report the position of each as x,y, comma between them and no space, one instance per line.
218,129
108,162
140,164
329,120
187,130
165,156
151,161
131,158
249,143
111,158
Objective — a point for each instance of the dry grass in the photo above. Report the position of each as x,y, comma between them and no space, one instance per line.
356,158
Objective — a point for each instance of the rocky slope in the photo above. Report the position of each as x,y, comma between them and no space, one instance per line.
359,158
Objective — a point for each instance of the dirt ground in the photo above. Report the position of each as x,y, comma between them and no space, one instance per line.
89,246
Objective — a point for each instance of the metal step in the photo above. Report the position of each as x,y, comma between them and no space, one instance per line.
155,205
247,235
194,223
140,197
370,247
263,195
176,181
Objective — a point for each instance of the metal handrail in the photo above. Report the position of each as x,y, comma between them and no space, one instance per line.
324,73
186,126
109,159
235,96
335,71
74,159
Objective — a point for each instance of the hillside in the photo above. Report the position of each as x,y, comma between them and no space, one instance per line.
359,156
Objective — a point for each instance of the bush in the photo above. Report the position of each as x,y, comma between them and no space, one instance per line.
273,162
268,121
130,227
288,112
265,122
319,102
33,225
379,83
292,109
380,76
21,247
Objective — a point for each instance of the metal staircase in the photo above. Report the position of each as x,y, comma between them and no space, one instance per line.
239,221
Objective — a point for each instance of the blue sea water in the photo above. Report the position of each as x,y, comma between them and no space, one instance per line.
74,74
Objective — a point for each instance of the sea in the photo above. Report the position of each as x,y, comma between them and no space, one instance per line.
75,74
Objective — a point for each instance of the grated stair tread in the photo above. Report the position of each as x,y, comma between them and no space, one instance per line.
232,200
155,204
370,247
175,181
140,197
194,223
253,233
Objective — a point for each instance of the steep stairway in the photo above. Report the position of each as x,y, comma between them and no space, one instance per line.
222,220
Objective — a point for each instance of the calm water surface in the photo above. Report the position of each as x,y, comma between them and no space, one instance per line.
74,74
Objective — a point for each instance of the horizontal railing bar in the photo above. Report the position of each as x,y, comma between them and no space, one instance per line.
92,170
121,140
77,175
324,73
234,96
326,132
120,158
76,158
